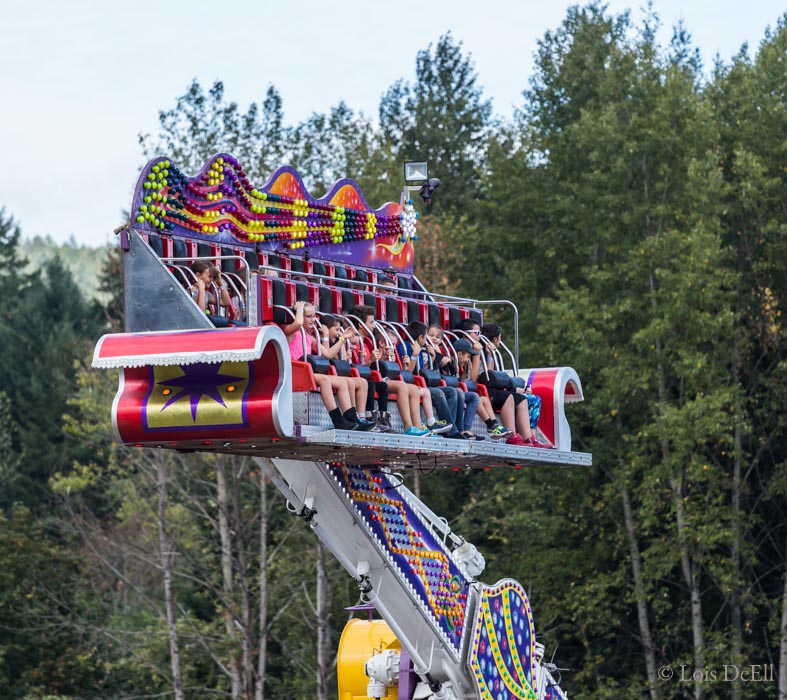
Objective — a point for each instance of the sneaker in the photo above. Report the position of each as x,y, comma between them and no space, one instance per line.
500,432
343,424
384,422
412,431
532,442
439,427
364,425
516,439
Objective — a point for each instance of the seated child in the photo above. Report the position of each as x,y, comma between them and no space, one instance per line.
224,301
513,416
367,351
466,411
302,342
526,404
417,395
337,342
466,354
414,357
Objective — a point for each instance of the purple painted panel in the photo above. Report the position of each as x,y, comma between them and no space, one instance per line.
220,206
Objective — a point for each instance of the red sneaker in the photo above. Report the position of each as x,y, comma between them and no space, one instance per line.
532,442
515,439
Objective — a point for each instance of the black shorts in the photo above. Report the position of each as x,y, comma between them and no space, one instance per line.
498,397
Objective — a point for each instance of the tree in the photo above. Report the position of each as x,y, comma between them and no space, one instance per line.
748,97
201,125
50,325
441,118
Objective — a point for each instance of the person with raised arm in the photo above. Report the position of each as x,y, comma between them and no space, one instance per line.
493,335
301,340
465,355
473,402
369,352
338,343
500,398
419,396
415,357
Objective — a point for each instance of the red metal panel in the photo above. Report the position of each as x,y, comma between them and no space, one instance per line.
221,401
544,385
129,346
379,307
445,316
264,296
167,247
402,306
215,251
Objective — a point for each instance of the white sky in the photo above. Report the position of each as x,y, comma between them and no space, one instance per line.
80,79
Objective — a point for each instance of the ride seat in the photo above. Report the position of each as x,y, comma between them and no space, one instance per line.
340,275
454,316
325,300
228,265
154,241
418,311
252,260
203,251
179,249
318,269
434,315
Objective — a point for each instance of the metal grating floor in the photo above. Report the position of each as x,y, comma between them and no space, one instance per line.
392,450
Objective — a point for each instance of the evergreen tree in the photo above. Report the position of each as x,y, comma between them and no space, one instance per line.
201,125
442,118
748,97
52,325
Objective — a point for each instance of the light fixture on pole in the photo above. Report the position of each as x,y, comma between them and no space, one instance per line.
416,171
416,177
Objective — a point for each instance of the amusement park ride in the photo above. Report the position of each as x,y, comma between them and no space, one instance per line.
187,385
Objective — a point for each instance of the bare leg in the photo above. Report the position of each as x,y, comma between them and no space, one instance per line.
485,411
523,420
360,388
326,390
402,402
415,404
342,392
426,400
507,414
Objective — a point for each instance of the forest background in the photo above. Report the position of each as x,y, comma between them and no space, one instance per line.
634,209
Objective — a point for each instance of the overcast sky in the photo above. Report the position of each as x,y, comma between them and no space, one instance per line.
81,79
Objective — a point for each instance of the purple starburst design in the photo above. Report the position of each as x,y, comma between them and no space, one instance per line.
199,379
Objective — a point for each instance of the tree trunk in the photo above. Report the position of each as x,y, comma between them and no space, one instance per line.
247,670
639,592
783,640
690,571
166,566
692,578
263,644
322,625
735,553
228,586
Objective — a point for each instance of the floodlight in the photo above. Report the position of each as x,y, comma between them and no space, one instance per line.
416,171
